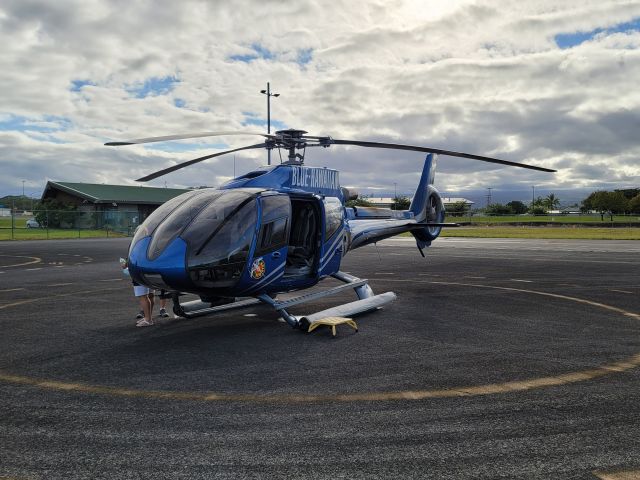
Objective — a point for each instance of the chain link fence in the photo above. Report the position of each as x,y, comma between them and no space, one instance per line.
55,224
549,219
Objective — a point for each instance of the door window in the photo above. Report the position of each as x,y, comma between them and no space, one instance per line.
333,214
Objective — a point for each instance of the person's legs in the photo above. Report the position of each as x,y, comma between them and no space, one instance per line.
150,296
163,307
146,307
146,304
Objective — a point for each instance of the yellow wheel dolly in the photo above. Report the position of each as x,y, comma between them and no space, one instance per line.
332,322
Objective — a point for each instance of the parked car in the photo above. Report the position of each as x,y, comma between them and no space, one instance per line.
32,223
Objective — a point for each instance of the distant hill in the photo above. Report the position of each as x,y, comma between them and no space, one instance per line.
18,202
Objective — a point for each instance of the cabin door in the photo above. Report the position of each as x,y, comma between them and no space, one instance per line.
304,240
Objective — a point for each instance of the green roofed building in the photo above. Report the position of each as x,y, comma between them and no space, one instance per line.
112,201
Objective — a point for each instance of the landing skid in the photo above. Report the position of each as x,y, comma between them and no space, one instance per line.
197,308
367,300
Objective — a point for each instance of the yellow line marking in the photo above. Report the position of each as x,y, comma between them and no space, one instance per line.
545,294
522,290
11,290
39,299
465,391
468,391
33,260
626,475
620,291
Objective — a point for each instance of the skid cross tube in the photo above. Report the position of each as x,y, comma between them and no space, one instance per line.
360,286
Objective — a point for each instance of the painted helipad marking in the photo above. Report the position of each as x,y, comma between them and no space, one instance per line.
30,262
39,299
465,391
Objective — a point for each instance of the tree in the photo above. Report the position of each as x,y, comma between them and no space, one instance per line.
359,202
634,204
551,202
19,202
400,203
498,209
517,207
603,202
457,209
593,201
618,203
538,207
629,193
56,214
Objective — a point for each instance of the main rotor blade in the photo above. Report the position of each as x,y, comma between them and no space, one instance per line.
160,173
182,137
414,148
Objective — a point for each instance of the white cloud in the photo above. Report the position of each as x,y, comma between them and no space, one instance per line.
483,77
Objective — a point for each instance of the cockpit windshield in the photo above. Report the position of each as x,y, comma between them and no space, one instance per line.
219,239
177,220
160,213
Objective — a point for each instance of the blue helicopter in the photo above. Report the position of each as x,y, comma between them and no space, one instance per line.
277,229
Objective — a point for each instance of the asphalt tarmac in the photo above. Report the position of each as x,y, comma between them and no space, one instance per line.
499,359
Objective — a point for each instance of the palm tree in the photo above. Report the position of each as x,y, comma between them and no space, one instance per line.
551,202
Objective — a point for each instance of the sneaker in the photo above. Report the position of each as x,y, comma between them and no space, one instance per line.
163,313
140,315
144,323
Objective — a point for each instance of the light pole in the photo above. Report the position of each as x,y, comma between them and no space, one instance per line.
489,195
268,93
395,189
23,187
533,195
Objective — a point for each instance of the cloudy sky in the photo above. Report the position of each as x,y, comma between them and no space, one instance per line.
551,83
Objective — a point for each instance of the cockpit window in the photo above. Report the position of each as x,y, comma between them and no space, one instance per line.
178,219
221,260
160,213
211,217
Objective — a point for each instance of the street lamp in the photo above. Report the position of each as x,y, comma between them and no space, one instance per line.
268,93
533,195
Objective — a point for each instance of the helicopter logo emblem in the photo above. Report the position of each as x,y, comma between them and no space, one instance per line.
258,268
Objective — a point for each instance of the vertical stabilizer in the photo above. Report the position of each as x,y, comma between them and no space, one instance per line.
427,205
419,202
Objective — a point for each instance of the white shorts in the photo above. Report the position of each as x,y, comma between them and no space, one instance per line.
140,290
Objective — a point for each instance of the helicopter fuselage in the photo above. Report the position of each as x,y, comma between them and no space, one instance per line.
272,230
